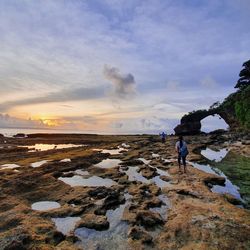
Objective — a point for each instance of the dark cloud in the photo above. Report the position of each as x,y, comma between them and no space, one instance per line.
124,84
61,96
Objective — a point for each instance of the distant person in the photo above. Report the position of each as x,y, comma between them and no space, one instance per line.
181,148
163,137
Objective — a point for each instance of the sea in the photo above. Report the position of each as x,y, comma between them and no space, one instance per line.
10,132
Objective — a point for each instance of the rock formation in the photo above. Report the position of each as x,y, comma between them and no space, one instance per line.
234,110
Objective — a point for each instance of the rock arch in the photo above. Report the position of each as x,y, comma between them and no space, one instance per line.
191,123
212,123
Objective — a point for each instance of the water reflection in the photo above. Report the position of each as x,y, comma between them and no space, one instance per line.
65,225
44,147
229,186
213,155
113,238
9,166
108,163
93,181
162,210
38,163
45,205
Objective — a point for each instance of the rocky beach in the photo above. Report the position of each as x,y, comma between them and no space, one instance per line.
62,191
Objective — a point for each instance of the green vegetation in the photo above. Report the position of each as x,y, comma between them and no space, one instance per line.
237,169
235,109
239,104
244,75
242,107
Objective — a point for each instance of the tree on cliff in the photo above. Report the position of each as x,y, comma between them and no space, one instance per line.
244,76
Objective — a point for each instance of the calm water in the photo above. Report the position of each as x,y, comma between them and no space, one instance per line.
65,225
93,181
45,205
234,167
112,239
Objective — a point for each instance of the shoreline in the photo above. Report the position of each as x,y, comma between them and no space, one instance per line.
195,217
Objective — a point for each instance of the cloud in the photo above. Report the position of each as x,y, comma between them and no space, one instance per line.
124,84
50,54
7,121
60,96
173,85
208,82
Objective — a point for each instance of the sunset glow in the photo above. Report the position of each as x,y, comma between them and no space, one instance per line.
117,66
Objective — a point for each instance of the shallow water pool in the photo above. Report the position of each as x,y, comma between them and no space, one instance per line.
44,147
213,155
45,205
65,225
108,163
9,166
93,181
113,238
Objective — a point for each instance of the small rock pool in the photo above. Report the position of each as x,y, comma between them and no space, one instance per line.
93,181
45,205
113,238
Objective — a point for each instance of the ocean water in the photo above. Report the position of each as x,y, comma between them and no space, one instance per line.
13,131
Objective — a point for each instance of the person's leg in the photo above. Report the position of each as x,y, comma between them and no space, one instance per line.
179,161
184,163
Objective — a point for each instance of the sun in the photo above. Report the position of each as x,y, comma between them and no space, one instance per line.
48,121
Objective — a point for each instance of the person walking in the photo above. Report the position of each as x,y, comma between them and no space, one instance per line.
181,149
163,137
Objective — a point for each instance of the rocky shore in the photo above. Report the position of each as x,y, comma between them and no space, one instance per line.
118,192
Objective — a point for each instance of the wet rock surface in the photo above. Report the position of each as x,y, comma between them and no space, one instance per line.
135,213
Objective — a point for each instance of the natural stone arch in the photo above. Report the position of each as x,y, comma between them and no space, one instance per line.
212,123
191,123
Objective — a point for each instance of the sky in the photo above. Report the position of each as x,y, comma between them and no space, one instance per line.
117,66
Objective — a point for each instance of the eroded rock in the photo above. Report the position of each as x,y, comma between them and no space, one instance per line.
92,221
137,233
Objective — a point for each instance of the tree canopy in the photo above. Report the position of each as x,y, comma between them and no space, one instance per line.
244,76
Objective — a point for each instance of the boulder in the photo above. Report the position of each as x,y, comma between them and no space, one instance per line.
214,180
166,178
100,192
133,162
231,199
19,135
148,218
136,233
148,172
92,221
